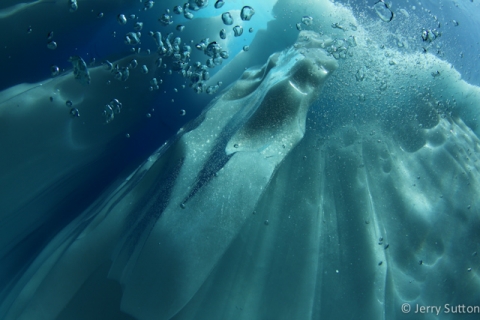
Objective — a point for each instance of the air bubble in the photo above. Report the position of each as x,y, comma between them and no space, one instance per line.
133,64
246,48
55,71
177,10
108,113
144,69
227,18
73,5
223,34
52,45
122,19
238,31
74,112
307,20
138,26
180,27
182,112
383,11
148,5
219,4
165,19
80,70
247,13
188,15
69,103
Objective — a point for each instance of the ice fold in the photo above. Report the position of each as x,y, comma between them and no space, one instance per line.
167,227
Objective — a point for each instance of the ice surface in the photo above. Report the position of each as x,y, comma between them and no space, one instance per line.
302,192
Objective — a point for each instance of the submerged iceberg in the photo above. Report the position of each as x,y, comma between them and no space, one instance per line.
332,182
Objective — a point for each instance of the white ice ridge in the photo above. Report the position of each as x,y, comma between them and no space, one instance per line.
191,203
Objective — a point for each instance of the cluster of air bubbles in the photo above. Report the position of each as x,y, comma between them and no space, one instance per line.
73,5
340,48
155,84
245,14
166,19
80,70
111,109
430,35
197,4
52,45
306,21
177,54
383,11
133,38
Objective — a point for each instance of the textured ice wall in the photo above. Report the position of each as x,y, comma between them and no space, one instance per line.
202,189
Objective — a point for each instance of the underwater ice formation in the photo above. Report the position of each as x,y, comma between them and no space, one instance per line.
253,212
250,128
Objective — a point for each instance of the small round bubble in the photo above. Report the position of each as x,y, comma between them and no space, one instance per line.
74,112
122,19
55,71
223,34
52,45
219,4
69,103
238,31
